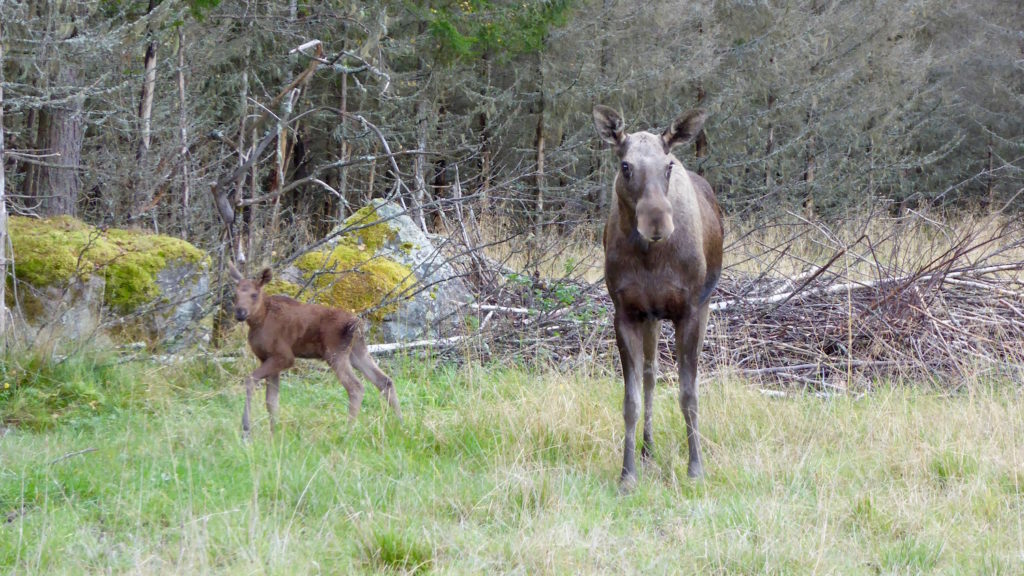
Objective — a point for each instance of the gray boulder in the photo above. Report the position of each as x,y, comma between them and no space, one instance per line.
379,264
78,283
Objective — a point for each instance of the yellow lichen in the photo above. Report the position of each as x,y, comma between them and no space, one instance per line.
352,278
53,251
366,232
352,274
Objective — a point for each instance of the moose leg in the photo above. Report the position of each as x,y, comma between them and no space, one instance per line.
629,338
250,383
689,338
651,330
363,362
273,386
352,385
271,367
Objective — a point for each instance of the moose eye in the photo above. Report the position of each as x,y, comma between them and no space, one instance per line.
253,296
625,170
668,171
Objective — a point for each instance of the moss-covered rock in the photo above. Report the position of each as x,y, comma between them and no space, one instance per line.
368,229
380,264
63,264
351,277
348,273
55,251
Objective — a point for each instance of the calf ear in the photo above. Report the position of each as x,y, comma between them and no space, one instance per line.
234,273
609,124
683,129
264,277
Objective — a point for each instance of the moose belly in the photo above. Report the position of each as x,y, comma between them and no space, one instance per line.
658,299
309,345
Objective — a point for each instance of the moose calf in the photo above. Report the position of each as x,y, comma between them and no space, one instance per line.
282,329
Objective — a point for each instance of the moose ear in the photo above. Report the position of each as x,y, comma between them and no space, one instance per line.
683,129
264,277
609,124
234,273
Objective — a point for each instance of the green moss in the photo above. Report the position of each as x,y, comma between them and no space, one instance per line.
351,277
372,237
278,286
53,251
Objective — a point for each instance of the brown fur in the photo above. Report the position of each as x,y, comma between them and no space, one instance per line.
663,257
282,329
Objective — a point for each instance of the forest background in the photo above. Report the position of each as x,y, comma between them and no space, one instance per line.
278,119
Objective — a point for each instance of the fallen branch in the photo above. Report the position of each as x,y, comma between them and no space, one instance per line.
72,455
850,286
839,363
496,308
395,346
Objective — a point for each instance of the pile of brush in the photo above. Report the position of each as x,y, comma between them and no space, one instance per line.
955,314
953,318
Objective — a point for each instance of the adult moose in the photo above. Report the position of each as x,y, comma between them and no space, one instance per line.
663,257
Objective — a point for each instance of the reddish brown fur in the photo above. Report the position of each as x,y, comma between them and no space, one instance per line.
282,329
663,257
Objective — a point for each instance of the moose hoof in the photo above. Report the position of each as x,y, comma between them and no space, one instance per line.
647,459
695,471
627,483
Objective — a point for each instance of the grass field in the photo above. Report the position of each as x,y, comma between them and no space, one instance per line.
141,468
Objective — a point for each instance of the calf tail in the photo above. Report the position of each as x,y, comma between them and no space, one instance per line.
349,331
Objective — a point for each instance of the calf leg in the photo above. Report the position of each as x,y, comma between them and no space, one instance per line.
352,385
651,331
273,386
629,338
363,362
250,383
271,367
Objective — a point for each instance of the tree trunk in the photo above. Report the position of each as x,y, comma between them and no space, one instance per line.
3,202
280,161
142,200
485,148
281,157
604,63
538,142
231,216
419,163
239,194
810,165
30,185
52,185
186,185
769,147
485,163
540,180
146,102
990,177
60,135
441,164
346,152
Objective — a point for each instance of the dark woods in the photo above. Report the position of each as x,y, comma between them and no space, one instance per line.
128,115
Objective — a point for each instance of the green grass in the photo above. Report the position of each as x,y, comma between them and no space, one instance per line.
496,470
